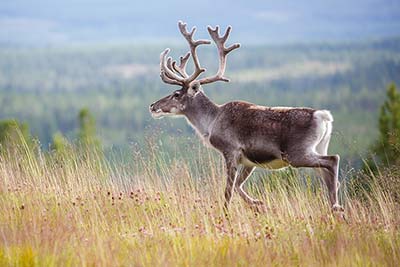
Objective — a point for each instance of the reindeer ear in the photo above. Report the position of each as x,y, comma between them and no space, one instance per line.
194,88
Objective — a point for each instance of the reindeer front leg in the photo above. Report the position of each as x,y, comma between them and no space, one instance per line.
231,162
231,171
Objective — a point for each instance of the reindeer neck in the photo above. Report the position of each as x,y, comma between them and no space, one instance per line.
201,113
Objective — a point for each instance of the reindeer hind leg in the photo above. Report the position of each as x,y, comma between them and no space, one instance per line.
244,174
329,166
331,179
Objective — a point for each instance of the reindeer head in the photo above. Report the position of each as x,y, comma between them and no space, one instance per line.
172,73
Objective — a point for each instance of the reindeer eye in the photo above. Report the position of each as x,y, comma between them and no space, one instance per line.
176,95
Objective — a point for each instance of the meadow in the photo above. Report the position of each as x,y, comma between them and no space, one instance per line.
152,196
78,208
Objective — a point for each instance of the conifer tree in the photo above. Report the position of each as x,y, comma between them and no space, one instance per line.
13,133
60,144
387,148
87,129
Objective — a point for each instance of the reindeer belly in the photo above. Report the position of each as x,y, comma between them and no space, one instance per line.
263,160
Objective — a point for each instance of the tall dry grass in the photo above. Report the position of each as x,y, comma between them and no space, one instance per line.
79,209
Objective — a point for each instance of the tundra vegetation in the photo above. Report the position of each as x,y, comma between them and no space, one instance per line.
81,209
67,199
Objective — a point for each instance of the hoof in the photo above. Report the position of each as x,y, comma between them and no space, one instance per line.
257,203
338,213
337,208
259,208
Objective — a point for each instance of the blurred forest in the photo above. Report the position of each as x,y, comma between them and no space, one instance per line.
46,87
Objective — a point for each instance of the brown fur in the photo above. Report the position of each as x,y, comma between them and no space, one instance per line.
246,134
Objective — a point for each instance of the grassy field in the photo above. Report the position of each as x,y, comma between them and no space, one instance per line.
79,209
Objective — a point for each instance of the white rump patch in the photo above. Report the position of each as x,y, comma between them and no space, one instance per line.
324,115
323,131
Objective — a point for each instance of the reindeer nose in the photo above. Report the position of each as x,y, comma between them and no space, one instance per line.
151,106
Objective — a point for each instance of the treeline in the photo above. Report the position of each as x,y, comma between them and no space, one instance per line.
15,136
46,88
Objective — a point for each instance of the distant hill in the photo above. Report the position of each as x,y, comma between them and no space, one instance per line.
73,21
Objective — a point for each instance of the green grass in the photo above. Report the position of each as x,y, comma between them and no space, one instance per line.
79,209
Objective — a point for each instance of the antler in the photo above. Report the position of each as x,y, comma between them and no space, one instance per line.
171,73
193,45
222,52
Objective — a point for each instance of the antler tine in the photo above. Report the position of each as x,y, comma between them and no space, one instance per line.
193,45
184,60
222,51
181,69
169,63
167,75
176,69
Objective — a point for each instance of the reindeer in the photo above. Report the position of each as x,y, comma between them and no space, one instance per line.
247,135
